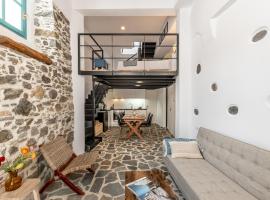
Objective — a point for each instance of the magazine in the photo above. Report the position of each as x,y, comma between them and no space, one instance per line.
145,189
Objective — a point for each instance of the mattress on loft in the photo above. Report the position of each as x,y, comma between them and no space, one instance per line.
149,65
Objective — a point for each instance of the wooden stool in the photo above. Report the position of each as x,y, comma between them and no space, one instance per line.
29,186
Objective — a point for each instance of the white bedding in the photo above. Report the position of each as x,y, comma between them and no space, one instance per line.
149,65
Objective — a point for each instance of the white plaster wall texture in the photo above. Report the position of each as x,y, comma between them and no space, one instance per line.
151,103
161,107
183,119
222,43
171,109
77,26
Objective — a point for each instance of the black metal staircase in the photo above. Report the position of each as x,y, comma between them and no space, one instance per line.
91,108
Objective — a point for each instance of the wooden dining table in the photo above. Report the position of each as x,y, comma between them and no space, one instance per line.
134,122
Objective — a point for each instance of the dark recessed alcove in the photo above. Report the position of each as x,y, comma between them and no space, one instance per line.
259,35
214,87
199,68
233,110
196,111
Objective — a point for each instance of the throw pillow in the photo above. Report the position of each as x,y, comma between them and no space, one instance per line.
167,147
185,150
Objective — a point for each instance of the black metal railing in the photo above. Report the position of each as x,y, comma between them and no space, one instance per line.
128,53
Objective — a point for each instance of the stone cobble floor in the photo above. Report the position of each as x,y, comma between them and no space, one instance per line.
118,155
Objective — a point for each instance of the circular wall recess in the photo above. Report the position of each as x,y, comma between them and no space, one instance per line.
233,110
196,111
199,68
214,87
259,35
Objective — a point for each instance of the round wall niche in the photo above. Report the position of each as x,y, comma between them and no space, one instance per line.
214,87
199,68
196,111
233,109
259,35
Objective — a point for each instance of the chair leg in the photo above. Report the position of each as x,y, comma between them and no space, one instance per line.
91,170
49,182
70,184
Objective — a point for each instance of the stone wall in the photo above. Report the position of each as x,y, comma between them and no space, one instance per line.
36,101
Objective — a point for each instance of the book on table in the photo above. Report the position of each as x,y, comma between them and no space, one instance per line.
145,189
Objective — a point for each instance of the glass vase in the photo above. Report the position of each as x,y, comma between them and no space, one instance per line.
13,182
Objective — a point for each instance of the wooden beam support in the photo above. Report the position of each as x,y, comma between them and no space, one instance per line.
7,42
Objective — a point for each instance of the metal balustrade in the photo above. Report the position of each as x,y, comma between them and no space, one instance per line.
128,54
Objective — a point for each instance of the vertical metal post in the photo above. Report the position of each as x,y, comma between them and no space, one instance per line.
94,108
144,53
79,53
177,57
112,57
166,108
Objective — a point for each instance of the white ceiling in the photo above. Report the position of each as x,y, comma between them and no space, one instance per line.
134,24
125,7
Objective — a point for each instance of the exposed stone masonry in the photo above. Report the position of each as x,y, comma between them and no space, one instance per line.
36,99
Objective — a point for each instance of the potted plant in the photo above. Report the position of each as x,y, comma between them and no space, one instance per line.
14,181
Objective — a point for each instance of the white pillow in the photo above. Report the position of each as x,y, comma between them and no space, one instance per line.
185,149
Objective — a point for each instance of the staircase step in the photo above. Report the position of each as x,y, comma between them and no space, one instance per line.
88,118
89,106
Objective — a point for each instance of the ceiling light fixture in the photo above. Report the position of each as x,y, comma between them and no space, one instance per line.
139,81
123,28
138,85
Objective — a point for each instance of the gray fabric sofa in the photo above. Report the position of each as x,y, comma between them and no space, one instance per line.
230,170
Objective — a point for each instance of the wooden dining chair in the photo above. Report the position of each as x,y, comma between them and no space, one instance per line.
63,161
148,122
121,123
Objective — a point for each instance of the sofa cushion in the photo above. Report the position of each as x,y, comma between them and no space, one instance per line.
199,180
247,165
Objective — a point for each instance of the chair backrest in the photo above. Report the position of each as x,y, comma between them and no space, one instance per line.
150,119
122,114
57,153
118,119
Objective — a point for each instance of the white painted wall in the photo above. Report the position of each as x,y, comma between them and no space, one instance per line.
126,7
171,109
161,107
125,99
183,119
88,85
223,46
77,26
128,93
65,6
153,100
151,103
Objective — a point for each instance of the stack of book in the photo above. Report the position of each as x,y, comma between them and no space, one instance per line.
145,189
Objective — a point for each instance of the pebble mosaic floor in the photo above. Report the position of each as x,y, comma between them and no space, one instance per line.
118,155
